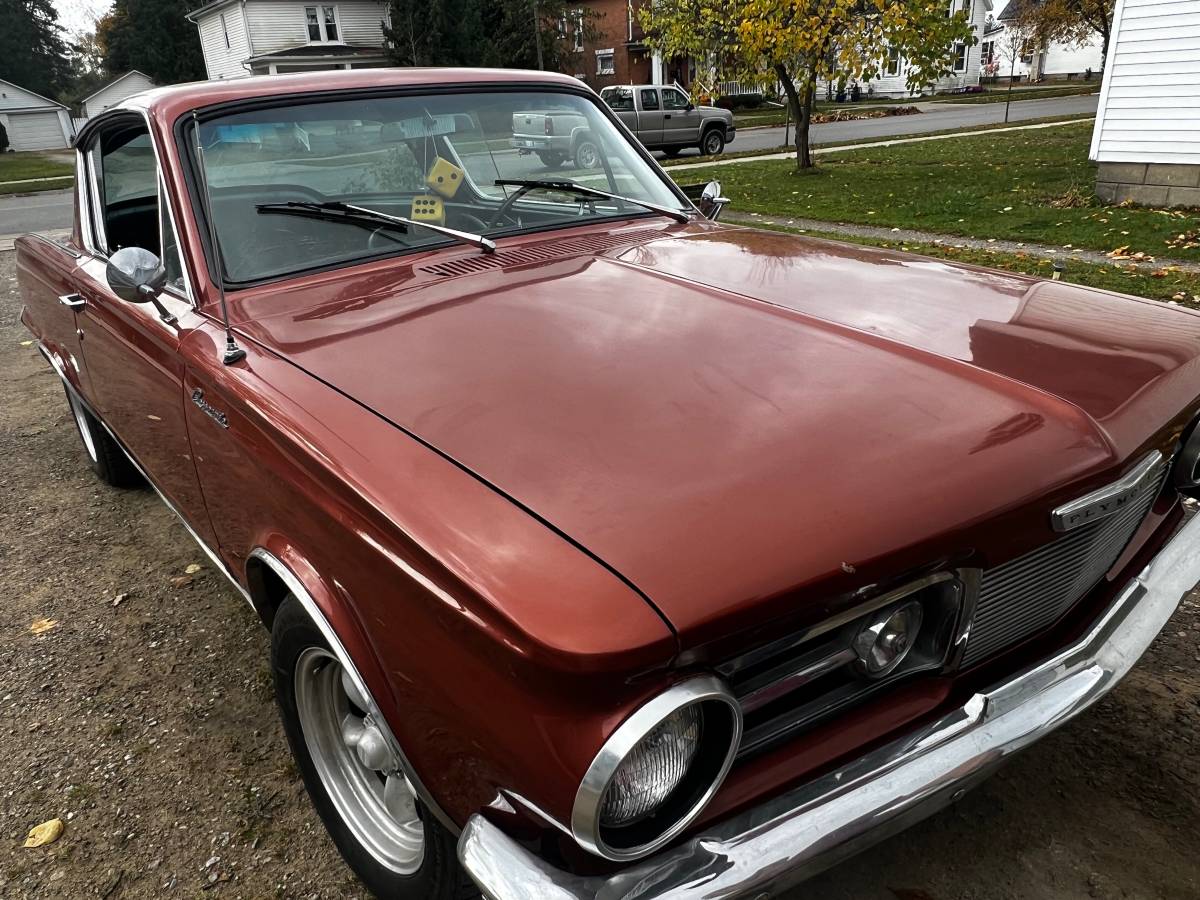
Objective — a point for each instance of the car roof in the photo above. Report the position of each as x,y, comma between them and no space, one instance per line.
168,103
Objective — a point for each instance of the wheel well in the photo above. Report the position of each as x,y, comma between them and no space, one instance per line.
267,589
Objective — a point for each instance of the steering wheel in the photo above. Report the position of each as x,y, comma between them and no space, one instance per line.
386,237
505,210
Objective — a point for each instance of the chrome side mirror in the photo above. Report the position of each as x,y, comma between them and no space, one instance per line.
711,202
136,275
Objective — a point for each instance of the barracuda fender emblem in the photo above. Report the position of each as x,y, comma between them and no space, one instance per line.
215,414
1111,499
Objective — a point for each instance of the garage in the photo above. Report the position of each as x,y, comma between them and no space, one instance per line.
33,122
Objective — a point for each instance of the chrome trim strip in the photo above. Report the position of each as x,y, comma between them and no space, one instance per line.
1110,499
208,551
797,679
803,831
585,814
297,589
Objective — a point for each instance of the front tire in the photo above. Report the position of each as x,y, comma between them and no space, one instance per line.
712,143
382,830
104,455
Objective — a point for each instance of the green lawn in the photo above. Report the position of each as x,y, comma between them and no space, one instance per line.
1154,284
16,166
1033,186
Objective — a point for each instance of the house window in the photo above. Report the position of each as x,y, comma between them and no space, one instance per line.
577,28
322,24
605,62
960,56
225,31
987,53
892,66
1027,54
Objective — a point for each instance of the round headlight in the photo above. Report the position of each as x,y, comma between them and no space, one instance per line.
886,639
657,770
653,768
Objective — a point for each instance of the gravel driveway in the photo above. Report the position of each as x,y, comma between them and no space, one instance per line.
149,727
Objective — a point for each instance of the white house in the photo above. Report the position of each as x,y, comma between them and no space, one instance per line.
1057,61
115,91
894,80
1147,134
273,37
32,121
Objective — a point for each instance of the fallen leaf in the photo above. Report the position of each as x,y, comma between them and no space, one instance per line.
46,833
120,598
182,581
41,626
193,568
26,343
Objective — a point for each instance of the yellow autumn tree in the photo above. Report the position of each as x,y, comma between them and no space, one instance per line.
801,42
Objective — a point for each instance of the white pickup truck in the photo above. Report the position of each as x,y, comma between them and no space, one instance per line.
661,117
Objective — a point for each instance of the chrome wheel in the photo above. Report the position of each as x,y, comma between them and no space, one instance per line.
85,428
587,156
356,765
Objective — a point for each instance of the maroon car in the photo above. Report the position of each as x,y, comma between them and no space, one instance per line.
607,550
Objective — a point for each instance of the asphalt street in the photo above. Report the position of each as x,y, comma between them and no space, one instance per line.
51,210
933,117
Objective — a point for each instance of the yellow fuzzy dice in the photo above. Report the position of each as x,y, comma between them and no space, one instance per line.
444,177
428,209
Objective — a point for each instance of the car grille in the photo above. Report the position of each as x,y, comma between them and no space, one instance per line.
1020,598
793,683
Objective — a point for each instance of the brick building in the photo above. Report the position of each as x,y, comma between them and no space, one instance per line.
614,52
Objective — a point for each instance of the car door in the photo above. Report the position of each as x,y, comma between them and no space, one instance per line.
130,351
681,125
650,120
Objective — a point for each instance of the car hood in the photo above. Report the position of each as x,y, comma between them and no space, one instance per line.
734,420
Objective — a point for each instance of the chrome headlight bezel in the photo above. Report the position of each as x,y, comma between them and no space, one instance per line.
707,770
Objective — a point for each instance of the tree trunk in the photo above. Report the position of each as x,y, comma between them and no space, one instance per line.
800,102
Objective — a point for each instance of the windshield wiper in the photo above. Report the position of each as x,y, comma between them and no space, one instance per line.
336,211
574,187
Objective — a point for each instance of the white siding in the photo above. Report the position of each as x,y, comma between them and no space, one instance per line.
280,24
222,61
13,97
897,85
113,93
1150,103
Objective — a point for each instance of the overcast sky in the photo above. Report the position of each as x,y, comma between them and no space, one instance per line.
80,15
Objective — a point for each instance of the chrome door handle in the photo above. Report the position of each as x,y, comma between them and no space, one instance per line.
74,301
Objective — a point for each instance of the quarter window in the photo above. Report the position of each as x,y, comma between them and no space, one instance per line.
649,99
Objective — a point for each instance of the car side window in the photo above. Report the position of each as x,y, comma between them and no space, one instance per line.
125,171
649,99
674,100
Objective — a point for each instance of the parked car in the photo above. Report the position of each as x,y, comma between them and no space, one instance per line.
607,550
664,118
555,136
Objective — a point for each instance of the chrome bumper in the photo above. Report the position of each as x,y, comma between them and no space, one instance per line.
797,834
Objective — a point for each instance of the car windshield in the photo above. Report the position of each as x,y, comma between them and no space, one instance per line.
434,159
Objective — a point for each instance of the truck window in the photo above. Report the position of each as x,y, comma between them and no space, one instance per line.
649,99
619,99
673,99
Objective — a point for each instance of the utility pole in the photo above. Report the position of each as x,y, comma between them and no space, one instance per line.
537,34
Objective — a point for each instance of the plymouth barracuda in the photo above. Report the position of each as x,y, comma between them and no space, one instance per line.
607,550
